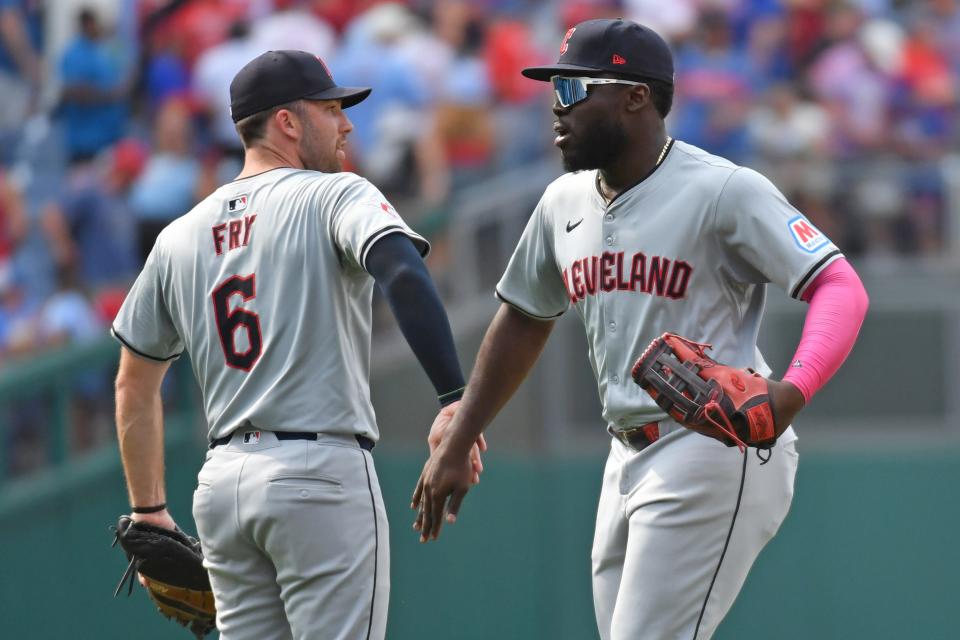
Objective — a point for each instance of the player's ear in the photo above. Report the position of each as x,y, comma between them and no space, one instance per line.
288,122
638,96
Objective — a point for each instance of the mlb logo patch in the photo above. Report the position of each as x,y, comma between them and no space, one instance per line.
237,204
251,437
807,236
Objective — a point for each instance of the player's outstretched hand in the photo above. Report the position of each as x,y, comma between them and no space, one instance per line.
447,475
439,428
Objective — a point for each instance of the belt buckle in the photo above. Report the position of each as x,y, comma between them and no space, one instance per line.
640,437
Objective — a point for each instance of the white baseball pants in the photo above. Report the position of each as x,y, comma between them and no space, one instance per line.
662,523
294,535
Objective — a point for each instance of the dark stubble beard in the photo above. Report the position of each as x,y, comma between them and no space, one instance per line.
599,148
312,152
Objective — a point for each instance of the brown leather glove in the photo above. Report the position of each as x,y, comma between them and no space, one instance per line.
729,404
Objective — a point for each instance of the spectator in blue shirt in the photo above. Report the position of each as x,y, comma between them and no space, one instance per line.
21,35
95,91
20,68
713,90
173,179
91,229
399,110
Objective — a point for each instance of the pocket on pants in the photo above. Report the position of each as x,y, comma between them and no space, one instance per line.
305,482
295,491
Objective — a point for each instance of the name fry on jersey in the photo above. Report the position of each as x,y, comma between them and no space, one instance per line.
661,277
231,232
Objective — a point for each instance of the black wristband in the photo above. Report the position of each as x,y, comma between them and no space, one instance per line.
451,396
153,509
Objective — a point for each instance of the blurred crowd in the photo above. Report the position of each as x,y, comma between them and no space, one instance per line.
114,118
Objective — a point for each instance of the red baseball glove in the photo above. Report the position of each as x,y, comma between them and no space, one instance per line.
729,404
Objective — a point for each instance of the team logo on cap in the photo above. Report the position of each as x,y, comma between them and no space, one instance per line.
619,59
566,39
320,60
807,236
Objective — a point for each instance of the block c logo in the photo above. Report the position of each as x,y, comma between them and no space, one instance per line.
566,39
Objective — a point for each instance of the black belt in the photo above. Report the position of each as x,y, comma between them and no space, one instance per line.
365,443
639,438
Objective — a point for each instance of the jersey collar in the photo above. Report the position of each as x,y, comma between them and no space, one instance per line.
635,185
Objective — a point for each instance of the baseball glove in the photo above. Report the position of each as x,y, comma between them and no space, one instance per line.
170,565
729,404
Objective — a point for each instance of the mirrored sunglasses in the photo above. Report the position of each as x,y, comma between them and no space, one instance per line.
570,91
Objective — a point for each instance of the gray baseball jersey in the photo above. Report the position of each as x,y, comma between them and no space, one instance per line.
687,250
264,285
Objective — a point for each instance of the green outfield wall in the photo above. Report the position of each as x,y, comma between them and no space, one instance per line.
868,552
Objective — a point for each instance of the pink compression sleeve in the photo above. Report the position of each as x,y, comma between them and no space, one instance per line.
838,304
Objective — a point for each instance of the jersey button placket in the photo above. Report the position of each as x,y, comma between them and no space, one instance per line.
608,219
606,302
612,330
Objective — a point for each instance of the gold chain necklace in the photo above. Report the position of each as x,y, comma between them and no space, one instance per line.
663,151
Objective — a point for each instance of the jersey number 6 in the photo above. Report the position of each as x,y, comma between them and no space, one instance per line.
229,321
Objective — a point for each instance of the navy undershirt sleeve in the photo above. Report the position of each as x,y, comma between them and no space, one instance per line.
399,271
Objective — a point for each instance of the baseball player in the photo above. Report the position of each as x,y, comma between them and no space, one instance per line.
267,285
646,235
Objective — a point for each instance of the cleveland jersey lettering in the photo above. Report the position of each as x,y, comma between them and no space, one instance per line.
614,272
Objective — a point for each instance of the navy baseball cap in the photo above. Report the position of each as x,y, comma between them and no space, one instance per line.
621,47
278,77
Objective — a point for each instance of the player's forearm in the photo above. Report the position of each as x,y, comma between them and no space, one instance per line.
140,435
508,352
140,429
406,284
424,324
838,306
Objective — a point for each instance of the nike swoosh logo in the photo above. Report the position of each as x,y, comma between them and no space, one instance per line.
573,225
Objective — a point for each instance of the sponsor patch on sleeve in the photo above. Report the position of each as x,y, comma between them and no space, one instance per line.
807,236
